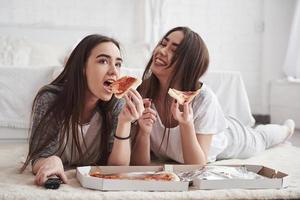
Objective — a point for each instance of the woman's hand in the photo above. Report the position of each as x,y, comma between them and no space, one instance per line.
46,167
148,118
185,117
133,108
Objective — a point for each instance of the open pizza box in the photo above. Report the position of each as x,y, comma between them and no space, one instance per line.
132,185
272,179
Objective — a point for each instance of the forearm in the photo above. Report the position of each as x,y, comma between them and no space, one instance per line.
192,150
141,150
120,154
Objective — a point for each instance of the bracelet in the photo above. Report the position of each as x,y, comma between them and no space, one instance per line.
122,138
134,122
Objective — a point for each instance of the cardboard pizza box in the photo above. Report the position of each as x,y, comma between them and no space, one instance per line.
273,179
123,185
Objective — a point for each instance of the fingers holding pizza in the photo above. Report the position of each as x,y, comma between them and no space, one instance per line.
134,107
183,117
148,118
125,88
121,86
183,98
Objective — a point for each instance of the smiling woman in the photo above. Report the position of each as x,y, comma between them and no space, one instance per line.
75,117
197,131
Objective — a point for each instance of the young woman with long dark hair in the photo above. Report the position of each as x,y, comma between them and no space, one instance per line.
196,132
76,120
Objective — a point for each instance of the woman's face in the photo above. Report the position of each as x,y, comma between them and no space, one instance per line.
163,54
102,68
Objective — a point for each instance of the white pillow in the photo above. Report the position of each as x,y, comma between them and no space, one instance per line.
18,87
22,52
14,51
46,54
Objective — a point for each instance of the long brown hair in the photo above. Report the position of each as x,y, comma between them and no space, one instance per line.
65,111
189,63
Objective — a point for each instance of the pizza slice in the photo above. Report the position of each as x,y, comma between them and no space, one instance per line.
145,176
183,96
162,176
121,86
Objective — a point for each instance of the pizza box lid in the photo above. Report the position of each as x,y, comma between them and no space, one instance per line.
123,185
274,180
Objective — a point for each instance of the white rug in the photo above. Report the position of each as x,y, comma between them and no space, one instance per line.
21,186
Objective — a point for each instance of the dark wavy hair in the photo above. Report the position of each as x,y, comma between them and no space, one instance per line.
66,109
190,62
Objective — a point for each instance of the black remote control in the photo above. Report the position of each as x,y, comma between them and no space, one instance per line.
52,183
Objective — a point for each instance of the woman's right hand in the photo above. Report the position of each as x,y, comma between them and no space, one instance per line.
133,108
46,167
148,118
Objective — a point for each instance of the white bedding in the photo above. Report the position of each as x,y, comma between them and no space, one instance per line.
18,86
21,186
229,88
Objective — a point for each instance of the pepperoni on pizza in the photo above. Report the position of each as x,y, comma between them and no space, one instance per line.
151,176
121,86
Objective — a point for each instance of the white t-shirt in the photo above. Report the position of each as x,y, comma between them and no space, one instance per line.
68,151
208,119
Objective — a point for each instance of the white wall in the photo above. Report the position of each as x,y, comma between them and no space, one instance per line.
114,17
249,36
57,25
233,32
278,17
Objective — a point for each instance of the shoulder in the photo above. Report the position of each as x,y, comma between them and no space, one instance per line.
206,102
47,95
208,114
205,96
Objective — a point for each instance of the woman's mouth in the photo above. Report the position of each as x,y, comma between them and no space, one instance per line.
160,62
107,85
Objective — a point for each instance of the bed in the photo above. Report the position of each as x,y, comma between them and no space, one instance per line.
19,85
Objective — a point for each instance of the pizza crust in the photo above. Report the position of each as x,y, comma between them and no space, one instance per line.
171,175
183,96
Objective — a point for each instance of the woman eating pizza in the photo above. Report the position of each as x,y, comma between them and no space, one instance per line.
76,120
191,130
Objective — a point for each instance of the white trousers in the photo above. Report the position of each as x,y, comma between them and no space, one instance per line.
244,142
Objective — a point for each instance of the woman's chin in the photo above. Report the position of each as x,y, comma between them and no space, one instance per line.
158,68
106,97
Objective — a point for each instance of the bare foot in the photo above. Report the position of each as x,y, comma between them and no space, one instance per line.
290,124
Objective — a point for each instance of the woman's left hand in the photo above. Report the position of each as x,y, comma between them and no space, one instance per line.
133,108
183,117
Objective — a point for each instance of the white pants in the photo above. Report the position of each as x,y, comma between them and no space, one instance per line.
244,142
